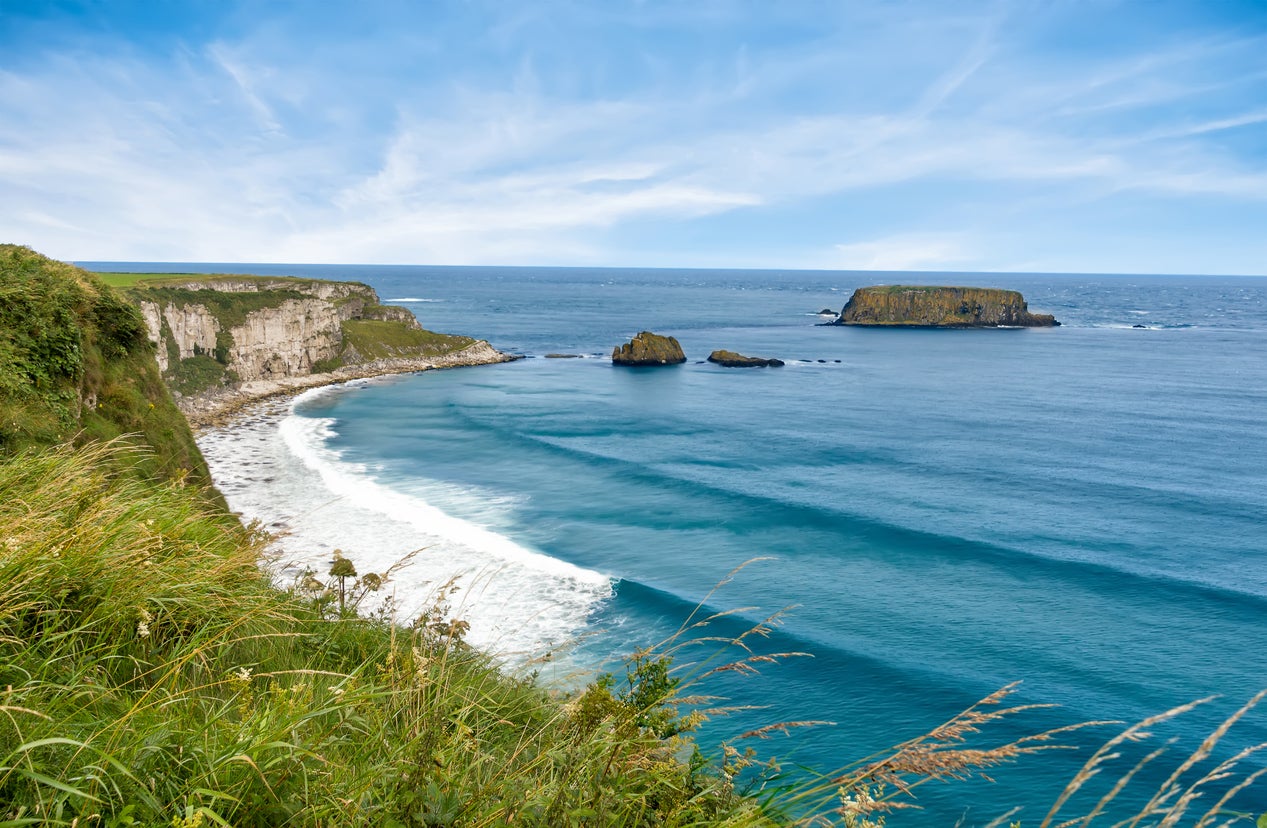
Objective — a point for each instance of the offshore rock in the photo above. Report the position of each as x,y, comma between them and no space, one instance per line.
919,306
649,349
730,359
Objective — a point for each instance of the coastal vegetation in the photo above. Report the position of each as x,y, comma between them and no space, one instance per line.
77,367
152,674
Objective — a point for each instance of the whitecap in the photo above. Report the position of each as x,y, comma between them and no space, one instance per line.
519,601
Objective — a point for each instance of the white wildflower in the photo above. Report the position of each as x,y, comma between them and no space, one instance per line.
337,691
142,629
244,673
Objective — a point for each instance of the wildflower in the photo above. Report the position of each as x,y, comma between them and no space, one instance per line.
142,629
337,691
244,673
12,544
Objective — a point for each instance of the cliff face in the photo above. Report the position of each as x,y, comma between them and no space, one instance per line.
940,307
219,335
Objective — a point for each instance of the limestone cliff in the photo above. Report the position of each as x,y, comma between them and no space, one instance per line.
940,307
220,338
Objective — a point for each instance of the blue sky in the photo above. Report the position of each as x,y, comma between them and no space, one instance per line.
1070,135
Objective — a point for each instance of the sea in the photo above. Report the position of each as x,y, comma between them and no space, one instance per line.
916,517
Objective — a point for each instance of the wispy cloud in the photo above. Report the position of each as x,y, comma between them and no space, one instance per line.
905,252
470,135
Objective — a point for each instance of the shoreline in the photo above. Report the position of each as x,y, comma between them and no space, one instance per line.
220,407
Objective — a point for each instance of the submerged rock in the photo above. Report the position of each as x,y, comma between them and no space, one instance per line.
563,356
826,312
919,306
649,349
730,359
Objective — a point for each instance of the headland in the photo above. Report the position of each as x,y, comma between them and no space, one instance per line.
224,341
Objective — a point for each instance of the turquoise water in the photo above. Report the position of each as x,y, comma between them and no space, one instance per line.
1080,508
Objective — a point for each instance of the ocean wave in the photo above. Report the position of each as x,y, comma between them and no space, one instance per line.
281,471
411,299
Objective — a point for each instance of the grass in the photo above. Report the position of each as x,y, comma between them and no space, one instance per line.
155,677
145,280
374,339
76,366
123,280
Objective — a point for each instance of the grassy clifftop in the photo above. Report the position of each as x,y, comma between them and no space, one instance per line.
76,366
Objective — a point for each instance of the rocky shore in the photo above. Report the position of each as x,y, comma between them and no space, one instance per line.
216,406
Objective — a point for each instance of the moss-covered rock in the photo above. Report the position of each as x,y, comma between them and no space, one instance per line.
649,349
940,307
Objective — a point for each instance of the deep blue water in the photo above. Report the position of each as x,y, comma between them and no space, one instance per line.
1080,508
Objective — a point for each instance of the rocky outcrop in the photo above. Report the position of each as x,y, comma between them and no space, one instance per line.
649,349
730,359
228,338
920,306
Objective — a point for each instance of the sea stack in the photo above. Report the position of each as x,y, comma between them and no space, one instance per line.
921,306
649,349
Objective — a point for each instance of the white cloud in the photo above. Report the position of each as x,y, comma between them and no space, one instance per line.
903,252
229,151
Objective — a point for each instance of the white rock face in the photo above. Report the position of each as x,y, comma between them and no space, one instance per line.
273,343
273,351
285,341
192,326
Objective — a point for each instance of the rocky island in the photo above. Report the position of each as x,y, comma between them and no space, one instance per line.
922,306
649,349
730,359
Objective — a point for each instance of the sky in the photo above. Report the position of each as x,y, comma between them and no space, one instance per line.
1012,135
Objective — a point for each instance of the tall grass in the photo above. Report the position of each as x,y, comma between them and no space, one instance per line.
150,673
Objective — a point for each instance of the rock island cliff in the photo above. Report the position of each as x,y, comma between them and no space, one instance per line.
920,306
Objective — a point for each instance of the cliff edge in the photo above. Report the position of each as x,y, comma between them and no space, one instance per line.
919,306
222,341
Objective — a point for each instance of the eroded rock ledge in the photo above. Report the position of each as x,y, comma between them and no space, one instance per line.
919,306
